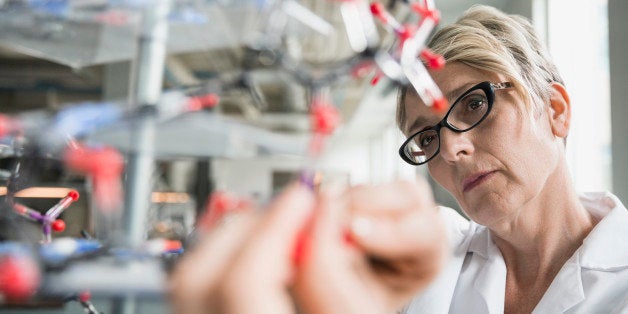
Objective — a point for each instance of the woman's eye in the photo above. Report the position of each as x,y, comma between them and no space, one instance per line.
426,141
476,103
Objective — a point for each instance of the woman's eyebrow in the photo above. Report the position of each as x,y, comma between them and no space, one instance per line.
452,95
418,122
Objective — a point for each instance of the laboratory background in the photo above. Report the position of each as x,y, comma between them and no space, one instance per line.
123,122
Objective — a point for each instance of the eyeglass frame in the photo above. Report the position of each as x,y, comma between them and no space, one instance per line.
488,88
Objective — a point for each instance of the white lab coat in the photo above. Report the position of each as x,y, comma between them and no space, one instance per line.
593,280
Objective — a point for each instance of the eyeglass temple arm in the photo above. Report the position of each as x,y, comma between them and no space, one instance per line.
501,85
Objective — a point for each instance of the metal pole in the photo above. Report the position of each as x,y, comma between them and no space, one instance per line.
147,78
144,92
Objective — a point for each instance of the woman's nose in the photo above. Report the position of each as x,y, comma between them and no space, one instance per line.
454,145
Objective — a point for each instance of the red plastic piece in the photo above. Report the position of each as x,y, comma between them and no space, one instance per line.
20,209
440,104
101,161
324,118
434,61
85,296
200,102
302,243
376,79
220,203
361,69
407,32
58,225
19,277
74,195
5,125
404,32
379,11
116,18
105,166
302,246
426,12
172,245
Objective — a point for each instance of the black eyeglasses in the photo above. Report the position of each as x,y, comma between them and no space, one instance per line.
467,112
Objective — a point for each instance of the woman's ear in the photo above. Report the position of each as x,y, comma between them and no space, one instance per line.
559,110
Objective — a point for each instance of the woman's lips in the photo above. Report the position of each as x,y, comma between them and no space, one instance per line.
474,180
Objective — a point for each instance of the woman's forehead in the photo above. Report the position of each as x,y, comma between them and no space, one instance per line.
457,74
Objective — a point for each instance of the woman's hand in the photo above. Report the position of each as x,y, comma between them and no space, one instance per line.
244,264
396,246
366,251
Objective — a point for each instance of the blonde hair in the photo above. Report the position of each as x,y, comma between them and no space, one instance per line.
490,40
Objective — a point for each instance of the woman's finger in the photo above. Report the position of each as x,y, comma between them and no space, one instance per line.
260,275
394,197
197,275
401,234
331,279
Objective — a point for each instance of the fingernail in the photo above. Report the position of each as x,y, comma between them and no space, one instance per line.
347,238
307,179
361,227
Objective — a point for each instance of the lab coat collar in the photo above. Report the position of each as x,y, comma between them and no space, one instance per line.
565,291
481,241
490,283
612,229
604,248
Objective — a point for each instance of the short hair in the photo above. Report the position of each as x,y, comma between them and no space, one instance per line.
491,40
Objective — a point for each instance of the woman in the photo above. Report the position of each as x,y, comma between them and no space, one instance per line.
533,243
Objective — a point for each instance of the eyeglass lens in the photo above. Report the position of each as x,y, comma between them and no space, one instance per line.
465,114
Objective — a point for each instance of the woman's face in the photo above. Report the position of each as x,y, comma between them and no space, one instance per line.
499,166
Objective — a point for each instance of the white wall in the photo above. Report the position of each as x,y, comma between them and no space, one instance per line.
346,160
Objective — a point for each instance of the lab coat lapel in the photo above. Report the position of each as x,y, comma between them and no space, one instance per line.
566,289
602,250
491,282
